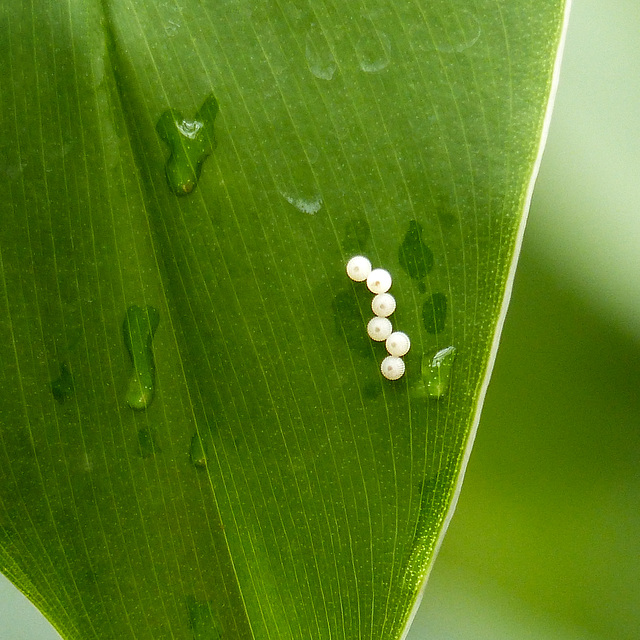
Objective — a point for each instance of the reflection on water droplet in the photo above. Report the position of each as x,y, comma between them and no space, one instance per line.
373,50
62,386
319,56
436,374
434,312
138,329
307,205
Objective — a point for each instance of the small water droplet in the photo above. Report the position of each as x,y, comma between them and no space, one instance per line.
171,28
191,143
320,59
312,153
446,28
373,49
436,374
310,205
138,329
434,312
414,255
200,450
62,386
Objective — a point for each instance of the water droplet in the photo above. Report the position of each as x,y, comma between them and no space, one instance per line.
319,56
373,49
147,446
171,28
448,28
436,374
138,329
200,449
312,153
62,386
414,255
310,205
190,141
202,620
434,312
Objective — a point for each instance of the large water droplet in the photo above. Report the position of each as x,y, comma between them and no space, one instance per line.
436,374
434,312
138,329
62,386
190,141
319,55
373,49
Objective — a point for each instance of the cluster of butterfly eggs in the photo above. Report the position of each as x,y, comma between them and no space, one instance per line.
383,305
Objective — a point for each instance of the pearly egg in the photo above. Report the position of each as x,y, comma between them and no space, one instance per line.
379,281
379,329
392,367
398,343
383,305
358,268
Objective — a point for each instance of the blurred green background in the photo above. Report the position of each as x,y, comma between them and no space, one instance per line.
545,543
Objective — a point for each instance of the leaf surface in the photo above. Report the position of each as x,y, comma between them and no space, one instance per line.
275,485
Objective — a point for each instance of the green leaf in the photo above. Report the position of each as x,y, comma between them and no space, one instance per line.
275,485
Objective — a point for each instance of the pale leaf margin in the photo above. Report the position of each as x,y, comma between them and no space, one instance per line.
555,77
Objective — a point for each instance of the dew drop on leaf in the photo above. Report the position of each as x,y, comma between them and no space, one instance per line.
373,49
436,374
320,59
62,386
190,142
138,329
199,451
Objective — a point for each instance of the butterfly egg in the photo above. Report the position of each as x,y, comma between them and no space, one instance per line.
358,268
383,305
392,367
379,329
398,343
379,281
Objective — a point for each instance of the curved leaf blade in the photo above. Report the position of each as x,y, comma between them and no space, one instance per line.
315,496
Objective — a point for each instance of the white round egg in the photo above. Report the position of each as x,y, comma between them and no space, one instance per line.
358,268
379,329
392,367
398,343
383,304
379,281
